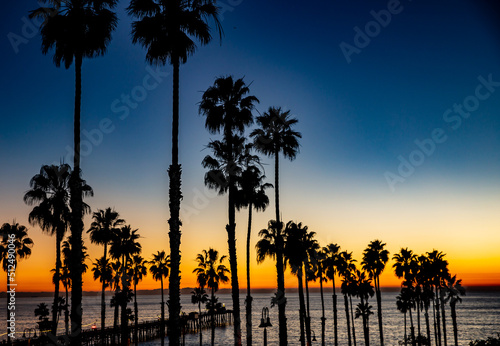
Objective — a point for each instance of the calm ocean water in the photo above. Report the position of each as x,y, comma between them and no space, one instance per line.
478,317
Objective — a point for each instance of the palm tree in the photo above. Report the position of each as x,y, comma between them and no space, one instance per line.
123,247
404,305
167,29
424,281
345,267
454,290
199,296
252,194
320,273
103,272
438,269
271,245
116,268
102,231
228,110
50,195
211,271
160,268
311,246
364,290
65,278
139,271
15,246
331,266
76,29
295,254
276,136
375,258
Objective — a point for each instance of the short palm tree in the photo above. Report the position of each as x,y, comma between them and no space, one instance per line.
275,136
364,290
454,290
320,273
199,296
228,110
211,271
331,267
102,231
15,246
168,30
160,269
345,267
50,195
375,258
252,194
138,272
76,29
103,272
272,245
123,247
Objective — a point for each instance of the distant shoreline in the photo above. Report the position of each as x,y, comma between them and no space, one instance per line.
187,290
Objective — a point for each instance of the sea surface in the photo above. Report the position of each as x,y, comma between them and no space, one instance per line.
478,318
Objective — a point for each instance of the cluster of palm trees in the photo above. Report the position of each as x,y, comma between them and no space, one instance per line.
427,282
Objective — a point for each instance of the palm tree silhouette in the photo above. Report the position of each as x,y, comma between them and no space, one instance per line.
102,231
211,271
168,30
160,268
138,272
15,246
454,290
320,273
404,304
252,194
375,258
426,296
228,110
311,245
65,278
345,267
116,268
275,136
331,265
123,247
199,296
364,290
50,195
103,272
76,29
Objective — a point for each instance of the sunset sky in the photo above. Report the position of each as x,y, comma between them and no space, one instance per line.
400,126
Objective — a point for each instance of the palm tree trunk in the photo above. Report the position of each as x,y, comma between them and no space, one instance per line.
199,323
427,325
348,318
364,315
103,301
419,340
162,318
302,307
323,319
55,305
379,309
335,322
249,297
352,320
438,317
308,315
454,319
276,183
175,196
124,319
441,297
212,319
66,314
434,321
280,295
405,329
412,329
76,217
136,317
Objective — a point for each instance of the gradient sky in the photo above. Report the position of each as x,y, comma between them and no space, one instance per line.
359,120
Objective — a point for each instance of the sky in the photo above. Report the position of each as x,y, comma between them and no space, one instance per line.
397,103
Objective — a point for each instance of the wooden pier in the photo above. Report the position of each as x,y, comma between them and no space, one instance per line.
146,331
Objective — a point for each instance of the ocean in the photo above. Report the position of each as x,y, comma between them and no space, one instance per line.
478,317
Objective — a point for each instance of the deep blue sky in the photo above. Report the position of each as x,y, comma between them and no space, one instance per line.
356,118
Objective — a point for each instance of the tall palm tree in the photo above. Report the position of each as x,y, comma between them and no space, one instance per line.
331,266
76,29
102,231
50,195
199,296
228,110
275,136
375,258
438,268
426,296
159,269
168,30
252,194
345,267
123,247
15,246
311,246
271,245
138,272
211,271
454,290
